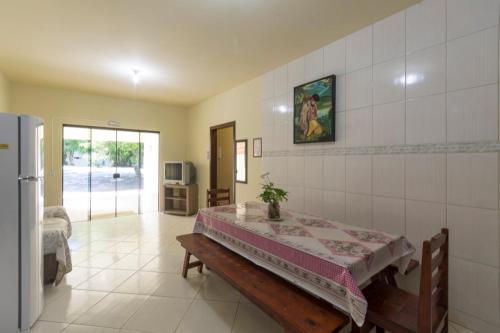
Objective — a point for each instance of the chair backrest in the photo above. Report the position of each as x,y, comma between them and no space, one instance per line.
218,197
433,300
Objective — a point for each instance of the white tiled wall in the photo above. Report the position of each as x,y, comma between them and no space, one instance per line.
425,75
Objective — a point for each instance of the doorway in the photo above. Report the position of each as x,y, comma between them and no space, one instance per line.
223,157
109,172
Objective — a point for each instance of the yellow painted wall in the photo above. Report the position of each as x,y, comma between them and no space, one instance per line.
58,107
4,93
241,104
225,159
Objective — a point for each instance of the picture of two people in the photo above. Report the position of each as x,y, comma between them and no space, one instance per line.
314,111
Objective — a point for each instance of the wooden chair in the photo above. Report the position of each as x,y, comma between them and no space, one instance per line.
218,197
395,310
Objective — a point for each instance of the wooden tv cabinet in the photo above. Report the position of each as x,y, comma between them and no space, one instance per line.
181,199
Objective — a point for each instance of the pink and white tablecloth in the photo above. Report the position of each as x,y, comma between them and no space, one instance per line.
328,259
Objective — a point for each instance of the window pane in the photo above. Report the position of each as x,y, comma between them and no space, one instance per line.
127,167
76,172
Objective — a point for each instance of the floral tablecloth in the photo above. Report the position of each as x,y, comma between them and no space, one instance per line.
329,259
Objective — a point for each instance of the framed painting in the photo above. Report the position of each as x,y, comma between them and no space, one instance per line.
257,147
314,111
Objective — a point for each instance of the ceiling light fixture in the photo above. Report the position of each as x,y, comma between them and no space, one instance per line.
135,76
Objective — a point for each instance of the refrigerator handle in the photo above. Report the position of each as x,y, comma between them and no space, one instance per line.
28,178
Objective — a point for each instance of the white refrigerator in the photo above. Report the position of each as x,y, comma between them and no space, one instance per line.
21,215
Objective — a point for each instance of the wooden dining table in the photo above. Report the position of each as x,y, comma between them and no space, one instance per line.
328,259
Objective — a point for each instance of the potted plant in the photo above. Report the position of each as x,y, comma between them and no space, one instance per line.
272,196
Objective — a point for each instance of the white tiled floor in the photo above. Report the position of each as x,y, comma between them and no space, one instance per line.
126,278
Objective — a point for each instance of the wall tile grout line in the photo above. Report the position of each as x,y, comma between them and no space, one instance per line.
405,129
446,111
346,133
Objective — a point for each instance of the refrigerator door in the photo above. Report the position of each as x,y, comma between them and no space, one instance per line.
31,202
9,223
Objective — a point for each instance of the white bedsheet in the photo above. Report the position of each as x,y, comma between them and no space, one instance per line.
56,231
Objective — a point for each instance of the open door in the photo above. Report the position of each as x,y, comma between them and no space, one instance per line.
223,157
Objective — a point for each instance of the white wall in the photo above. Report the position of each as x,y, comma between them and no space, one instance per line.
410,157
4,93
58,107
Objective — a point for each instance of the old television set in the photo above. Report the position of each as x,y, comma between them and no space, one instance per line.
179,172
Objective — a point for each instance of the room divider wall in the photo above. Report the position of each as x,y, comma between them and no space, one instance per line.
109,172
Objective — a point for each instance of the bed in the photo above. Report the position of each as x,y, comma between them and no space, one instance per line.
57,256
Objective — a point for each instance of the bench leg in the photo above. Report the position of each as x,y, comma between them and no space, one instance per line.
187,265
185,268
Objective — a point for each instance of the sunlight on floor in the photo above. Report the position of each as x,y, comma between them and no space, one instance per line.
126,278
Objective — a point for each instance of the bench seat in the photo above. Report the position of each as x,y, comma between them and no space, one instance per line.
294,309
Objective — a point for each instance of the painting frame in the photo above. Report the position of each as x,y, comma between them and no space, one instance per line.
257,147
314,122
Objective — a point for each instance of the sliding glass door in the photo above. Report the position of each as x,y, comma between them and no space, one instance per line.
149,163
76,172
108,172
128,172
102,171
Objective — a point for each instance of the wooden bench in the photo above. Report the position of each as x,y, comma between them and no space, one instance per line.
294,309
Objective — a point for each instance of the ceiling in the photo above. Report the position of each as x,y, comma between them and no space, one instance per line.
185,50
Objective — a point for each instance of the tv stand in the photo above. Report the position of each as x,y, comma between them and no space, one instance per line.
181,199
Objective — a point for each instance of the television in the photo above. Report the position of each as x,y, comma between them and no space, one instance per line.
179,172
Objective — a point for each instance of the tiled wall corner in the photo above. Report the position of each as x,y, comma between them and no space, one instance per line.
423,78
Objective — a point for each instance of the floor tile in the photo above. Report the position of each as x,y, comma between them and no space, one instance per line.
208,317
164,264
124,247
158,315
75,243
112,311
47,327
174,285
142,283
51,292
249,319
77,257
88,329
98,246
106,280
455,328
175,249
79,275
132,261
153,249
214,288
101,260
70,305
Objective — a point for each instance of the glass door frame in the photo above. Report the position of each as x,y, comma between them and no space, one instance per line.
140,162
